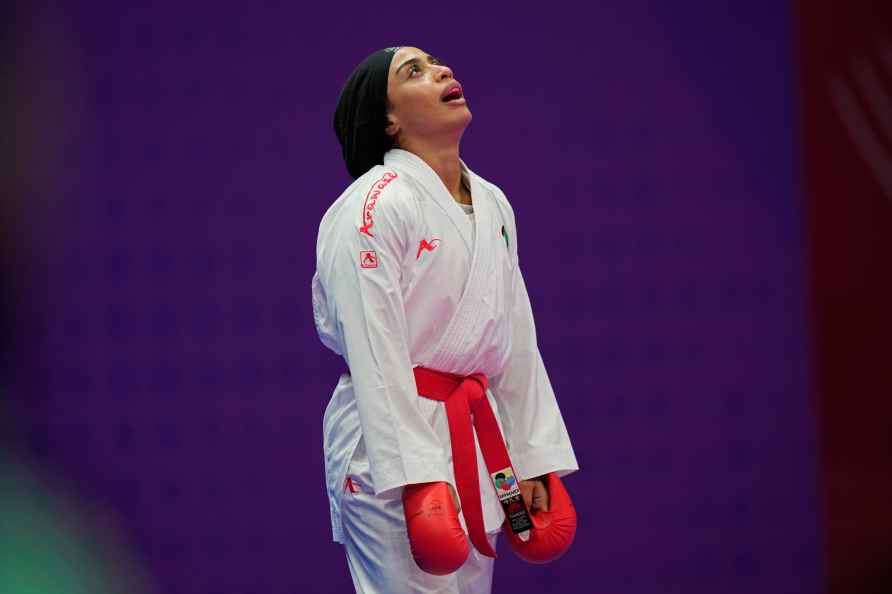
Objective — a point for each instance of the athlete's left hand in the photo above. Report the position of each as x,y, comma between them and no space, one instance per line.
534,494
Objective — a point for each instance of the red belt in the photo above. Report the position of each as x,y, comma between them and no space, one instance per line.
463,396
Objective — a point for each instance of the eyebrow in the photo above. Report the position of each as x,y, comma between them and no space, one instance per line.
430,58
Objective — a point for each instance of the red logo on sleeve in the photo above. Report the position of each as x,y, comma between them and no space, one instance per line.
368,259
371,199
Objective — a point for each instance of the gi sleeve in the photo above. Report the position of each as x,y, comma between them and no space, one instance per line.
533,426
401,445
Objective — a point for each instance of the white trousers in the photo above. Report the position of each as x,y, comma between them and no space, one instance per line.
377,546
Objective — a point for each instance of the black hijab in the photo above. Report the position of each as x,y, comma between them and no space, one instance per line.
361,114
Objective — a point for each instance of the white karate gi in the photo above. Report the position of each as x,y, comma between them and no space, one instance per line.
405,278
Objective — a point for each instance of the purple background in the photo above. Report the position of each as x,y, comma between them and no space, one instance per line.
648,150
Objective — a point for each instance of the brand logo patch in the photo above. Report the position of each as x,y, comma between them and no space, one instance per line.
371,199
425,245
350,485
368,259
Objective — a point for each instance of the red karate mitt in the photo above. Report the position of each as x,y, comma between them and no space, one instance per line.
553,531
438,542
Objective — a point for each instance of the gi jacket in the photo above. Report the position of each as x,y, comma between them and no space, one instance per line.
403,279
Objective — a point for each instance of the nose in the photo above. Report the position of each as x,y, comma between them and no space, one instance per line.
444,71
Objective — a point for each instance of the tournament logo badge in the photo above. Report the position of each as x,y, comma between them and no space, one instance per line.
508,492
504,480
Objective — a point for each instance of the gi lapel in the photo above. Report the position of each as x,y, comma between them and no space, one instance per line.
469,319
433,186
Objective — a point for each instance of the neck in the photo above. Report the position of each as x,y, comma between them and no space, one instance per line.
443,159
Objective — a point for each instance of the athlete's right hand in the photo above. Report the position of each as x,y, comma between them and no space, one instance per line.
437,540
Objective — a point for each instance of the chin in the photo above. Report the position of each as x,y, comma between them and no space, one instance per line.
463,125
451,126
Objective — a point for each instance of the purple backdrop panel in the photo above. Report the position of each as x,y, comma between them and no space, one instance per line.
648,152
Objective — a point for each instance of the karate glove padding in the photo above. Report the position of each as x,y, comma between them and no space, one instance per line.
553,531
438,542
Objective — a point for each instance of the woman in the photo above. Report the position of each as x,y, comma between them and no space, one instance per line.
417,282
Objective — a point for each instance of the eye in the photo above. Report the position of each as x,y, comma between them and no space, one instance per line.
414,68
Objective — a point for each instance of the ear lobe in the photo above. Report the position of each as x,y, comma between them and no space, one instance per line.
392,128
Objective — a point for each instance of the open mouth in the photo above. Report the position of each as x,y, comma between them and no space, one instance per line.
453,95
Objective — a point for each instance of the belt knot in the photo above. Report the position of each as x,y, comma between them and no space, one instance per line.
474,386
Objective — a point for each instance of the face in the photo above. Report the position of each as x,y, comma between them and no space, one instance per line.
416,84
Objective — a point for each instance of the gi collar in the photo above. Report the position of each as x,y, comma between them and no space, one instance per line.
421,169
434,187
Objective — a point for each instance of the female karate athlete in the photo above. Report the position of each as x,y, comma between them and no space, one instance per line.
417,286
